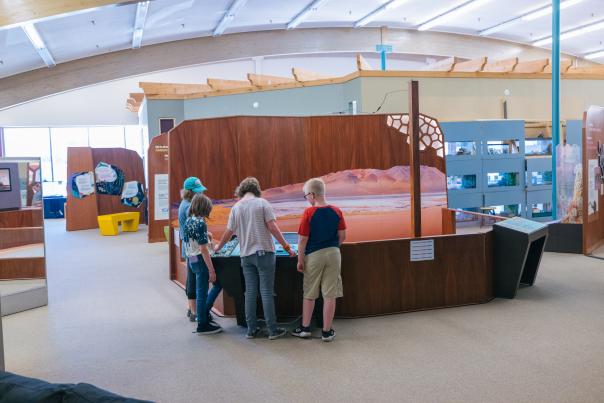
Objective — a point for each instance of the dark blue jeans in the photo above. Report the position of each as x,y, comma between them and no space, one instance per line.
205,300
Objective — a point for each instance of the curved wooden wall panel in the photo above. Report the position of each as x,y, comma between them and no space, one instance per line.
157,164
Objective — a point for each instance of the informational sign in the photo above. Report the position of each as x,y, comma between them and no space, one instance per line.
521,225
82,184
422,250
133,194
592,186
162,190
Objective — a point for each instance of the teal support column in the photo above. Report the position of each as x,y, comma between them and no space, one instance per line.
383,59
555,97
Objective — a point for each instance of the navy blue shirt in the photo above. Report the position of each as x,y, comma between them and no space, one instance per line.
321,225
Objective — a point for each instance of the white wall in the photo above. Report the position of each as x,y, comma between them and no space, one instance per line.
104,104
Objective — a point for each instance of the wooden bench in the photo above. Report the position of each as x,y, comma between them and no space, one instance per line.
108,223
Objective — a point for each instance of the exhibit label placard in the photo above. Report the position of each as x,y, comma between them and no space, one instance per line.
162,192
422,250
522,225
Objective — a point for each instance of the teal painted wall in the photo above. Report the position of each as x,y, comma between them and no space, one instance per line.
157,109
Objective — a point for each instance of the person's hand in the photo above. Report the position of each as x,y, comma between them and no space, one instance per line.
212,276
300,266
216,248
291,253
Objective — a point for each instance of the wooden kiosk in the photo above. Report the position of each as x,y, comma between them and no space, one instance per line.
380,276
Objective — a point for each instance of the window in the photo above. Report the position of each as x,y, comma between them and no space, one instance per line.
134,139
501,147
538,147
61,138
502,179
30,142
461,182
106,136
509,210
541,178
541,210
460,148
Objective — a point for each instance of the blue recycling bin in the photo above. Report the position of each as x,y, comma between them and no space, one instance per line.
54,206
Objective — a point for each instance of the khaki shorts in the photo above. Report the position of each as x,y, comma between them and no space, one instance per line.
322,273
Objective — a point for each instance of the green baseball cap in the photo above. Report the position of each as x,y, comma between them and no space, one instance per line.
194,184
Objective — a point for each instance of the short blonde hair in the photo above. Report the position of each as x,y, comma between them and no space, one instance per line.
316,186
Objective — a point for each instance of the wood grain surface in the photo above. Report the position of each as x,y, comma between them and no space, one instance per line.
157,163
25,217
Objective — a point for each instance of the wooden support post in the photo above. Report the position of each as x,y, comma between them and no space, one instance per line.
414,161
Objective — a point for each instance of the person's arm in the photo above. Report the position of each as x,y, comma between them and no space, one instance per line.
302,241
228,234
205,253
341,236
276,232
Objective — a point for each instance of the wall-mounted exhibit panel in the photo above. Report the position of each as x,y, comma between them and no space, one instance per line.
22,251
159,190
102,181
593,179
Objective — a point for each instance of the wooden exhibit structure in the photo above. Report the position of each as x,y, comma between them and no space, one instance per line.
593,179
453,67
379,276
82,213
157,170
22,231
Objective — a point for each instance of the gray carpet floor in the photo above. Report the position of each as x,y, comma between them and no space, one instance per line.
116,321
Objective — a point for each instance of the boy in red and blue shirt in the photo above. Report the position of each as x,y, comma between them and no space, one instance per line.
322,231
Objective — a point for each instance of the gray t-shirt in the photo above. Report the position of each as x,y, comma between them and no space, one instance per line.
248,220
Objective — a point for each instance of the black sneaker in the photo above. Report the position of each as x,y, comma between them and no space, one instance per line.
211,320
279,332
192,317
329,335
301,332
209,329
251,334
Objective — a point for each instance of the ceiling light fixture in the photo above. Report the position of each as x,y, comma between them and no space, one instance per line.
36,40
530,16
452,13
582,30
303,15
228,16
373,15
139,24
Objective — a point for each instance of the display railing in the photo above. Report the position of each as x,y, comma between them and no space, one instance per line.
463,216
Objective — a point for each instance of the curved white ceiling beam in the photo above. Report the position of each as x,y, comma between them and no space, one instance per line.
38,43
228,16
530,16
304,14
452,13
571,33
392,4
139,24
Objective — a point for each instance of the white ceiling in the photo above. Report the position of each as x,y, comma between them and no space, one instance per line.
110,28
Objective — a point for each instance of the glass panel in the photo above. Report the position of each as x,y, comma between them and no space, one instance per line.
461,182
538,146
541,178
461,216
106,136
29,142
63,137
500,147
134,139
541,210
501,179
510,210
460,148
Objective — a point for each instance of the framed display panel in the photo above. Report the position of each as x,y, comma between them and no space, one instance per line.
593,179
5,180
159,191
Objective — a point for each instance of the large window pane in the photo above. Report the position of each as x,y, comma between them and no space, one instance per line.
29,142
106,136
63,137
134,139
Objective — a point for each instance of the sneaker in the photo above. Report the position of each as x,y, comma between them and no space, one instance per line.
209,329
211,320
301,332
251,334
329,335
279,332
192,317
